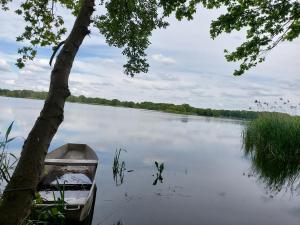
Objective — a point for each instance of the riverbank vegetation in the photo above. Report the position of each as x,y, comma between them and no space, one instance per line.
274,135
164,107
273,144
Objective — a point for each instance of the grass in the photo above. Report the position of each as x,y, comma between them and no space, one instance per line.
273,143
275,136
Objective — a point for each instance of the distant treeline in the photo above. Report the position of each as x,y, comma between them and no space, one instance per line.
164,107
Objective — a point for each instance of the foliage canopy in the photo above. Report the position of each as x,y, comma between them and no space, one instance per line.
128,24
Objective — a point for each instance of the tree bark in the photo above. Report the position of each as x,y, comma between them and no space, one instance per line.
18,194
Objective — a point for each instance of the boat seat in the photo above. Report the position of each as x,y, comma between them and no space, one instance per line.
65,187
71,162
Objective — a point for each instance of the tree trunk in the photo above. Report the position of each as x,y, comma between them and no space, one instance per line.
18,194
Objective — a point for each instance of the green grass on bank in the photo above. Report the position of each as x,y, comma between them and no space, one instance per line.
275,136
273,143
164,107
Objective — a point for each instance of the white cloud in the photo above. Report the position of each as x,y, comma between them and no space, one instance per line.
10,82
11,25
40,66
163,59
4,66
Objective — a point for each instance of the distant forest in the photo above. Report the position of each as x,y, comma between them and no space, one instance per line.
163,107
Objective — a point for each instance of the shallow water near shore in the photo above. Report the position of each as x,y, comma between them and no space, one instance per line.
206,177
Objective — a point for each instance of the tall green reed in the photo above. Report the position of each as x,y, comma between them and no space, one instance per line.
273,143
7,160
273,136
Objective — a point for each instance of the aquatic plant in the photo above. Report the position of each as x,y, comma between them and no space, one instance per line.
273,136
118,168
160,168
273,144
7,160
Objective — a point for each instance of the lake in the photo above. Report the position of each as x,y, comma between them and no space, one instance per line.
207,179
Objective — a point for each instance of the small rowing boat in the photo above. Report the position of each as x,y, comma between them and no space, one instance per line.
71,168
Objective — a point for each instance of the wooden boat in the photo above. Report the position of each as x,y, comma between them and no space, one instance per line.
71,168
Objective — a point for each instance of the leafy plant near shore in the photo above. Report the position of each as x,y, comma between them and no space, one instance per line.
272,141
48,215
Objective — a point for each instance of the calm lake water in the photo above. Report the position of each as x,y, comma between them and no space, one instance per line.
207,179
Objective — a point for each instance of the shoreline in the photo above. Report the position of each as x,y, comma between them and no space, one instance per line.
183,109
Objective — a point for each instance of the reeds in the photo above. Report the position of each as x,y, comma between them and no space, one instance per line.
118,168
7,160
274,136
273,143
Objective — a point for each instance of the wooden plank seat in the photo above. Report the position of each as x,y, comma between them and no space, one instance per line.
66,187
71,162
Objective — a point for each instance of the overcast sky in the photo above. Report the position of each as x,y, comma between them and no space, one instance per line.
186,67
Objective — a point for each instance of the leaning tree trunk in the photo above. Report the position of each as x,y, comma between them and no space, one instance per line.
18,194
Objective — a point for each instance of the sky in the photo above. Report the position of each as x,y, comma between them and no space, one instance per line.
186,66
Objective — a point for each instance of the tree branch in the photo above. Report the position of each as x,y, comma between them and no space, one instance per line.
55,50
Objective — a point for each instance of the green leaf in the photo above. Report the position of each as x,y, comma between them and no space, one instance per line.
161,168
11,139
54,211
11,154
8,131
